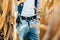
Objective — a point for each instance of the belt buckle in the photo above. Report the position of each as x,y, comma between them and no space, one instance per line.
28,18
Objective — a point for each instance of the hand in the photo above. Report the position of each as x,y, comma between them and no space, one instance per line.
37,14
21,1
39,11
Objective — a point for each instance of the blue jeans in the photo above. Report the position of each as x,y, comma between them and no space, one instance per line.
26,31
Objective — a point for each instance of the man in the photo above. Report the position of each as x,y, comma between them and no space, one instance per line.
25,27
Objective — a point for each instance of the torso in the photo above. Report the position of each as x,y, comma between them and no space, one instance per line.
28,8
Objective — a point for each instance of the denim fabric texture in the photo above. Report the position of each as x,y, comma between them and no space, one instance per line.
26,31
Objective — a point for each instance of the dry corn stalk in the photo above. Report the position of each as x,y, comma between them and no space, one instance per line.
53,31
7,18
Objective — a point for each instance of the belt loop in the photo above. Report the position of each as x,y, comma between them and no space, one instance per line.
26,18
32,19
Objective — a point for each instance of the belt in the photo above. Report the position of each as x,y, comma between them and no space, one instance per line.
28,18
